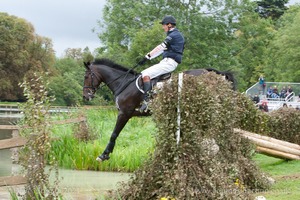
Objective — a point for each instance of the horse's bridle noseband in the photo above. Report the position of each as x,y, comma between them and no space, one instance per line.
92,88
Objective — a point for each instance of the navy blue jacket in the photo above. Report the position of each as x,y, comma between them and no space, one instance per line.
175,45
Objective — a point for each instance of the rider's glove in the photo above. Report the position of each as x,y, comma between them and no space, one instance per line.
141,62
148,56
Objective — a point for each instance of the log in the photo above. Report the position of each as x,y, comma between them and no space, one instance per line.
13,142
12,180
270,145
277,154
270,139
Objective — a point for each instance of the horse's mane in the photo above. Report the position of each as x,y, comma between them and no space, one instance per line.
110,63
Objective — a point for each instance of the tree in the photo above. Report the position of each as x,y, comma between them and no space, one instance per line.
132,30
283,63
21,53
271,8
253,36
66,85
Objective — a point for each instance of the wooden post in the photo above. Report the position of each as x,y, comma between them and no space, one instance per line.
14,151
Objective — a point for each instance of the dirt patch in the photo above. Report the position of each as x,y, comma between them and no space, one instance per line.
288,177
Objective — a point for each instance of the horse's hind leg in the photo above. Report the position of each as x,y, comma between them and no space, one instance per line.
121,122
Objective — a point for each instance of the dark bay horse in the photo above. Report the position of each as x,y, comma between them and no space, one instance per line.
122,82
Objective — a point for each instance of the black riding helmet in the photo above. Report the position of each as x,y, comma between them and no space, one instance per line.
168,20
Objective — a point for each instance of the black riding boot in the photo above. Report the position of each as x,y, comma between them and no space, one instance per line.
146,88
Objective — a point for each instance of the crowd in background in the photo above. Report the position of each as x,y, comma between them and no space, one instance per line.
272,92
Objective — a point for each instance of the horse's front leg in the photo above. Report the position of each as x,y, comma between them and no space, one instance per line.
121,122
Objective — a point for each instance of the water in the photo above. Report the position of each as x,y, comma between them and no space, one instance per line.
5,154
79,185
89,184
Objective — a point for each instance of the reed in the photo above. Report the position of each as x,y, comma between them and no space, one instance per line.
134,144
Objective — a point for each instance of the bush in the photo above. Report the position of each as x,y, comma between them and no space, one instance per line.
284,124
210,161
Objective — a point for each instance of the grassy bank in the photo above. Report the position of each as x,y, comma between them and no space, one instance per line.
133,145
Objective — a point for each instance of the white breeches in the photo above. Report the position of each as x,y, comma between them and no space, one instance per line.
167,65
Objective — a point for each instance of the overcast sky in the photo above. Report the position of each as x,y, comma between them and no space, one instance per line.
68,23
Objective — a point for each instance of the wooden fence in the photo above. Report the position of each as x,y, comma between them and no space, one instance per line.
17,141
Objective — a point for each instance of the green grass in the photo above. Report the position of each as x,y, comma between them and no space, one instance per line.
133,145
286,175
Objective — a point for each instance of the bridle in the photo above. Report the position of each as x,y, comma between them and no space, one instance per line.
92,88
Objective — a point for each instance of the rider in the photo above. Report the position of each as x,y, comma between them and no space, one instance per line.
171,50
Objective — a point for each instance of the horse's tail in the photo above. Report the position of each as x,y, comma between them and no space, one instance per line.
228,75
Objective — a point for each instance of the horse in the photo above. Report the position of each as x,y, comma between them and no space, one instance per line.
124,84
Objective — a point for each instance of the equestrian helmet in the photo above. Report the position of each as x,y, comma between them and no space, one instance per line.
168,20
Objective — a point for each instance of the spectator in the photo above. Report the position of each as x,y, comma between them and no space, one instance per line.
283,92
284,105
256,99
275,90
289,90
269,92
262,83
264,106
275,93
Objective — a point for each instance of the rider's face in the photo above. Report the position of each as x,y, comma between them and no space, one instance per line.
165,27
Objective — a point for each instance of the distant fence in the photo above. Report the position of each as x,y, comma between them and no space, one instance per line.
17,141
14,109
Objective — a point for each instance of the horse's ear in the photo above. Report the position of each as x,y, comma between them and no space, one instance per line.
87,65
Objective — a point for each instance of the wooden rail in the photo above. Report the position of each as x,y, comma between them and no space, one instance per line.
12,180
17,141
13,142
271,146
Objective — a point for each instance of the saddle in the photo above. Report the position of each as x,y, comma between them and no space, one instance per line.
160,79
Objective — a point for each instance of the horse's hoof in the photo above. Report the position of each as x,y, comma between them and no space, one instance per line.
102,158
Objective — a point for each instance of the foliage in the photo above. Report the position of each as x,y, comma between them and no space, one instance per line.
67,83
252,40
283,52
22,52
285,125
33,154
78,54
250,117
271,8
210,161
